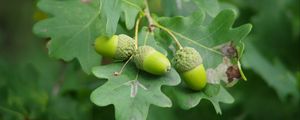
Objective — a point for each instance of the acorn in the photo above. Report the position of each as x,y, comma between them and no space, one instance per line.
188,63
150,60
118,47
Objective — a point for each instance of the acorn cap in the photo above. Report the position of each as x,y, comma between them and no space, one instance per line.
186,59
141,53
125,47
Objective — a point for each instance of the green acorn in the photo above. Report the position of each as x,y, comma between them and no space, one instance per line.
188,63
150,60
118,47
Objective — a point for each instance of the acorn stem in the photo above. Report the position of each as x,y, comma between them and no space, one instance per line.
136,30
153,23
121,70
171,34
189,40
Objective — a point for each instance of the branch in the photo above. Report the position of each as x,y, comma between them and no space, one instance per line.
153,24
149,18
136,31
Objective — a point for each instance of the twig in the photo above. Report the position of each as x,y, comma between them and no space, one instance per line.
137,30
122,68
153,24
189,39
171,34
148,16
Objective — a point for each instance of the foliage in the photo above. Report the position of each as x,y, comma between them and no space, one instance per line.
75,79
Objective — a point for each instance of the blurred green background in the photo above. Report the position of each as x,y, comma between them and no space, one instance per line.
34,86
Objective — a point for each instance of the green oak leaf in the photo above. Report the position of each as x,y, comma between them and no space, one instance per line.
187,98
113,10
72,30
191,31
211,7
204,38
133,91
131,8
74,25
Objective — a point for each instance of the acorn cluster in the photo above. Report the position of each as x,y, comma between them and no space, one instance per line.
187,61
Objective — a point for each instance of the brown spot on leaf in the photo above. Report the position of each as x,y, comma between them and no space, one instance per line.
232,73
229,50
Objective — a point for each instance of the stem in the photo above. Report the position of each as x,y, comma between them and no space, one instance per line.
137,30
242,51
186,38
152,25
149,18
171,34
120,72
